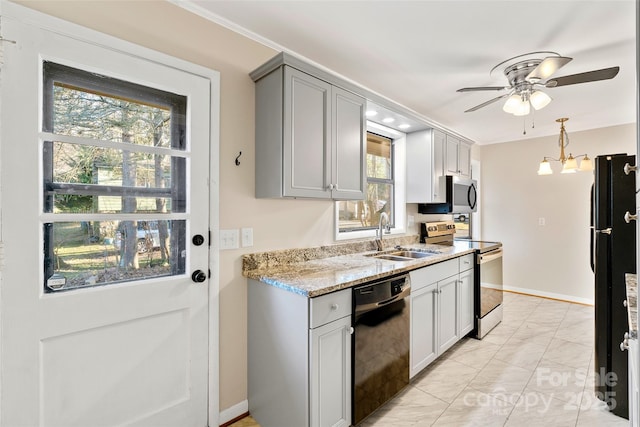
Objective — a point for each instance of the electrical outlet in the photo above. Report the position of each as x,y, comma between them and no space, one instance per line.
247,237
542,221
229,239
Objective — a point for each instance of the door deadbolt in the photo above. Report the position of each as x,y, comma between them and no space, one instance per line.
199,276
198,239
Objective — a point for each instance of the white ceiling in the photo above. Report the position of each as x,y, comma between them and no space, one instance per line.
418,53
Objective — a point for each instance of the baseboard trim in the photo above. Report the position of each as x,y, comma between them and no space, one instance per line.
549,295
234,413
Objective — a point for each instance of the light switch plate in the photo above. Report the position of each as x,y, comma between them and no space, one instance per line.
229,239
247,237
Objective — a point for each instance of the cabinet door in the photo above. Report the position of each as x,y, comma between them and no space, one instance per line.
306,135
464,160
330,374
423,328
447,313
439,148
465,285
451,161
349,145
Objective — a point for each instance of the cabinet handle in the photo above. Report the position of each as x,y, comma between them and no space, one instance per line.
334,306
629,217
624,303
330,187
351,330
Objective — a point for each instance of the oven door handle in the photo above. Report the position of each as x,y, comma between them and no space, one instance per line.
490,256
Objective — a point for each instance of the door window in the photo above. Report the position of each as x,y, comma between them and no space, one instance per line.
114,161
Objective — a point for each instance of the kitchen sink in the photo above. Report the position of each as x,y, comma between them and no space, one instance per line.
402,255
411,254
393,257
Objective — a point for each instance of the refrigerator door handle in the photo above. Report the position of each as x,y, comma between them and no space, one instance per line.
605,230
592,254
592,235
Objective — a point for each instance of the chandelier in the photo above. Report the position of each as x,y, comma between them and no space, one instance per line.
569,164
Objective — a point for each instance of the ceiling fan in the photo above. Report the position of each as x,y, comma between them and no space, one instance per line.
528,73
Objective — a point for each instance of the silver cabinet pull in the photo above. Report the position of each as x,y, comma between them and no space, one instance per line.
628,217
628,168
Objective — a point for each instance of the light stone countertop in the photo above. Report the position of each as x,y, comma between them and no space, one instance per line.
632,301
320,276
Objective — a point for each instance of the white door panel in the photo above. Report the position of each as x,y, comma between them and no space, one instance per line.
132,353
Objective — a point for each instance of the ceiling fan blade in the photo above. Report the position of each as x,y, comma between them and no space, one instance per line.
484,104
479,88
589,76
548,67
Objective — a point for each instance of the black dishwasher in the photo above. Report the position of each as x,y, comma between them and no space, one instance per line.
380,343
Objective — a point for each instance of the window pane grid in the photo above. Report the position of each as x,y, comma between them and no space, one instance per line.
101,143
113,180
379,193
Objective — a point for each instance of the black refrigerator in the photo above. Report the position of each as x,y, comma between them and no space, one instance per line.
613,253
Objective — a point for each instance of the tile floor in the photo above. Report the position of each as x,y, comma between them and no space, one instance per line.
534,369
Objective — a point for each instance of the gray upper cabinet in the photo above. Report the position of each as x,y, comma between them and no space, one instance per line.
425,166
310,137
458,157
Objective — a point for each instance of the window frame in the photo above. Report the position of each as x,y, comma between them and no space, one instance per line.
398,168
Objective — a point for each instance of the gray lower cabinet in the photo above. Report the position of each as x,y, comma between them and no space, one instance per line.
330,382
299,357
441,309
310,138
424,312
448,322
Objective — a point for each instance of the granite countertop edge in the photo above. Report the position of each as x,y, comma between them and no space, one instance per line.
318,277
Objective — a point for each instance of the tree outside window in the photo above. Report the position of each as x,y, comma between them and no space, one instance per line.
379,196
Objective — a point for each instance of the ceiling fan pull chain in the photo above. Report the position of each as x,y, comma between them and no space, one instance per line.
533,118
524,125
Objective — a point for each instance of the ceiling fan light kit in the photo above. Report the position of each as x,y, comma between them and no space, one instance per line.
528,73
569,164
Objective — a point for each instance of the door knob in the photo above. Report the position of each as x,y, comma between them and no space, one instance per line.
199,276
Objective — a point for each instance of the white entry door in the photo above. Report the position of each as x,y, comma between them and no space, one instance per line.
105,214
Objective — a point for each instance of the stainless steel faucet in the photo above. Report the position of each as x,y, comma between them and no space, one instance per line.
383,217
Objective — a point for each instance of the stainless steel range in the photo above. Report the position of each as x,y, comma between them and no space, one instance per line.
488,273
488,284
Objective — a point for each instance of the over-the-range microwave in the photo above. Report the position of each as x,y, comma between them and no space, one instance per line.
461,196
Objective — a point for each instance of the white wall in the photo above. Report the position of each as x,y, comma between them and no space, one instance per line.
550,260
